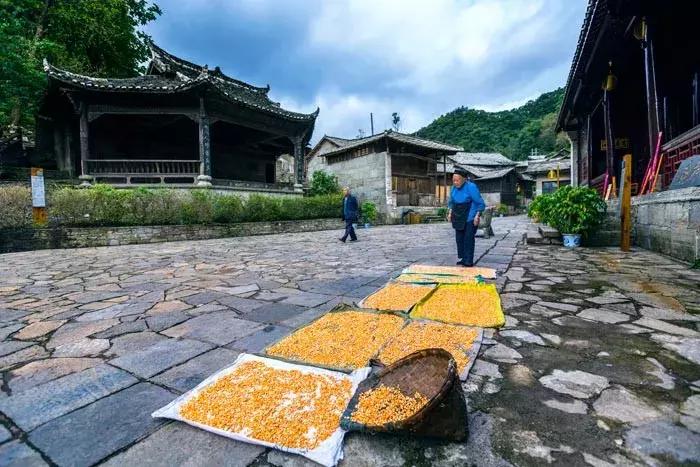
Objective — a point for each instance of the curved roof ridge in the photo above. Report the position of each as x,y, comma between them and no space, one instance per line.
159,52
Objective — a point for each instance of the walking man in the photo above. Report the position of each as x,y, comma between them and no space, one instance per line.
466,206
351,213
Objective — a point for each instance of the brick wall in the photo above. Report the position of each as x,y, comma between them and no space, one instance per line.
81,237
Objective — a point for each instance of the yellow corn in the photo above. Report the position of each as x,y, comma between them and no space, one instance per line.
385,404
397,296
345,340
469,304
418,336
286,407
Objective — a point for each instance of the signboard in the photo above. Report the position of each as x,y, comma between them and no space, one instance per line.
38,192
688,174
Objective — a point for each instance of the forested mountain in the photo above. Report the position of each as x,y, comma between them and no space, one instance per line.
514,133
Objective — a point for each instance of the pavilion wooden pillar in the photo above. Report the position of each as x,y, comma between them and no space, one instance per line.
84,146
204,178
298,142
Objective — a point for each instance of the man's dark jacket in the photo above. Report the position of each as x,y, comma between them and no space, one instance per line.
351,209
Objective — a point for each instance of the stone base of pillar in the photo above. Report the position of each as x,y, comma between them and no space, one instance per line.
86,181
203,181
298,188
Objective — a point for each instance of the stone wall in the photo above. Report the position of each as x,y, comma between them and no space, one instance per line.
365,175
667,222
81,237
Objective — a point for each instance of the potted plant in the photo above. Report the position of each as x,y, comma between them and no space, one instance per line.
369,213
575,211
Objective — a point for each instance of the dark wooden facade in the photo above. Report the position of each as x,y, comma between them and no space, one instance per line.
636,73
178,123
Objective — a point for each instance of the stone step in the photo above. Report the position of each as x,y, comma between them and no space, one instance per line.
548,232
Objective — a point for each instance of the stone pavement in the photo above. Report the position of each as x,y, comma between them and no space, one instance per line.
599,361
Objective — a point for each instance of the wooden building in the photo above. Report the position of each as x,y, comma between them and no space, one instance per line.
392,169
180,123
635,76
492,172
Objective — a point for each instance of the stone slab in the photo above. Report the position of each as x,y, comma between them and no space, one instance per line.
219,327
161,356
621,405
602,315
257,341
18,454
662,438
666,327
48,401
274,312
105,426
182,445
579,384
41,371
187,375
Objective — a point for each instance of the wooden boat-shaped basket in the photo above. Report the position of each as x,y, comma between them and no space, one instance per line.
431,372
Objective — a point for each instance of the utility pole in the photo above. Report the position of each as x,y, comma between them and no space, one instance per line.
371,123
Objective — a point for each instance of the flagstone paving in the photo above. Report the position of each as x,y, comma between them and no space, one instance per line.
598,364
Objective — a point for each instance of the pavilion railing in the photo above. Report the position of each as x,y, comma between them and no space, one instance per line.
676,151
150,167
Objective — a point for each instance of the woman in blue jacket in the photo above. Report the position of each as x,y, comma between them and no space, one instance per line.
466,206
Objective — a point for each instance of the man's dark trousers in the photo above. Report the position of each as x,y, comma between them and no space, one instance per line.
349,230
465,243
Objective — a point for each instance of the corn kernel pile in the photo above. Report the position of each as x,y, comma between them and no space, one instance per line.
468,304
433,279
397,296
418,336
344,340
286,407
385,404
487,273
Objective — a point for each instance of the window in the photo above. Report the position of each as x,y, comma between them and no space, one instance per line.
550,187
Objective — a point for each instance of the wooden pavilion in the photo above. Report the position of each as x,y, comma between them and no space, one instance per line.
180,123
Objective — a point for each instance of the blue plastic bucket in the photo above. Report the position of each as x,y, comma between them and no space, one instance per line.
572,240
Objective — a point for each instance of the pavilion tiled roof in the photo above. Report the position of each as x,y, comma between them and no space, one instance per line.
175,75
394,136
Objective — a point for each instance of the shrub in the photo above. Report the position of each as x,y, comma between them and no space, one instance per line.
442,212
228,209
502,209
540,207
576,210
106,206
323,184
369,211
15,206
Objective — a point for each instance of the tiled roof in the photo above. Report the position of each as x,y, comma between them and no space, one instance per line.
394,136
479,172
482,158
175,76
545,166
586,40
487,174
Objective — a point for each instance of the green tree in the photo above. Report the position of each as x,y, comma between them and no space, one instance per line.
512,132
96,37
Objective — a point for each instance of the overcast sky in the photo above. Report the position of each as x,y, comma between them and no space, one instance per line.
420,58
